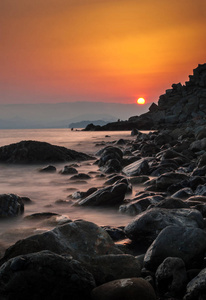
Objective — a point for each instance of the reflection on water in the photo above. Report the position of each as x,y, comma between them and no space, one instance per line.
50,192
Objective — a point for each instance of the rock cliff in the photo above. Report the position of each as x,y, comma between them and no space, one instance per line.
180,106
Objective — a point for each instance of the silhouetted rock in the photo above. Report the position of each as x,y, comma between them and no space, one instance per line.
11,205
38,152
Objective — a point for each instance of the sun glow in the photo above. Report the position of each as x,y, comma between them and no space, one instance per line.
141,101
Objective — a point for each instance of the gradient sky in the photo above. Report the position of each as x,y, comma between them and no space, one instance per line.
87,50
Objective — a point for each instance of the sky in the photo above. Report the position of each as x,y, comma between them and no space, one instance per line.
55,51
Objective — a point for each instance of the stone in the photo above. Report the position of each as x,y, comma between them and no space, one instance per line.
196,288
80,238
38,152
171,276
80,176
110,267
167,179
11,205
147,225
108,196
140,167
67,170
122,289
184,193
45,275
48,169
187,243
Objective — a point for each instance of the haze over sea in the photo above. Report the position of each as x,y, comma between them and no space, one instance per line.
44,189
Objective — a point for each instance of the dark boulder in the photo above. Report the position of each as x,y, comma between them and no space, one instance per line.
48,169
108,196
187,243
196,288
38,152
11,205
127,288
140,167
81,239
147,225
67,170
45,275
171,276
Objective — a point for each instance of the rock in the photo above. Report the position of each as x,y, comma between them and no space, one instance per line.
140,167
113,266
171,276
81,239
45,275
48,169
108,196
127,288
48,218
184,193
11,205
38,152
67,170
196,288
201,190
80,195
135,207
147,225
187,243
138,179
171,203
134,132
110,160
80,176
167,179
111,166
115,233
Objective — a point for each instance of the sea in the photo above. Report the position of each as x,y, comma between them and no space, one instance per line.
52,192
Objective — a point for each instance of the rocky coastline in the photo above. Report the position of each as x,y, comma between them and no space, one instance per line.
161,253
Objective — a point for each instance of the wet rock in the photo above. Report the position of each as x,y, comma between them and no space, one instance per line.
108,196
110,267
171,203
48,169
80,195
128,288
196,288
135,207
67,170
167,179
134,132
80,176
140,167
138,179
111,166
201,190
38,152
11,205
147,225
48,218
113,179
115,233
81,239
171,276
44,275
184,193
187,243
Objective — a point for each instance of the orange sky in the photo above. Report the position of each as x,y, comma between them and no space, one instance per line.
87,50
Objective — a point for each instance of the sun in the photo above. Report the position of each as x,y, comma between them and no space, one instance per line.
141,101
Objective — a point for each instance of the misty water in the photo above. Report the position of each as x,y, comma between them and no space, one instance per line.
46,189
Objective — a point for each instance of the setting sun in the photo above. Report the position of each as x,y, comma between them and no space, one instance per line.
141,101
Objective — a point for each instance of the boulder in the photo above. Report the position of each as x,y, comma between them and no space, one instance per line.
187,243
67,170
140,167
183,193
38,152
167,179
127,288
147,225
81,239
171,276
48,169
11,205
196,288
45,275
108,196
113,266
80,176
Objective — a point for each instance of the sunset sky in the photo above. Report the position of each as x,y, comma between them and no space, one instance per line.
95,50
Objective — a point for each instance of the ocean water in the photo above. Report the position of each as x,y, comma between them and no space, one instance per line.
46,190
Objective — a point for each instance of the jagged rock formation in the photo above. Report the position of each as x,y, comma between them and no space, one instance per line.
180,106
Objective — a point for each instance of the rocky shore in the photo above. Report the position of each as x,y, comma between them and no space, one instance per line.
161,253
